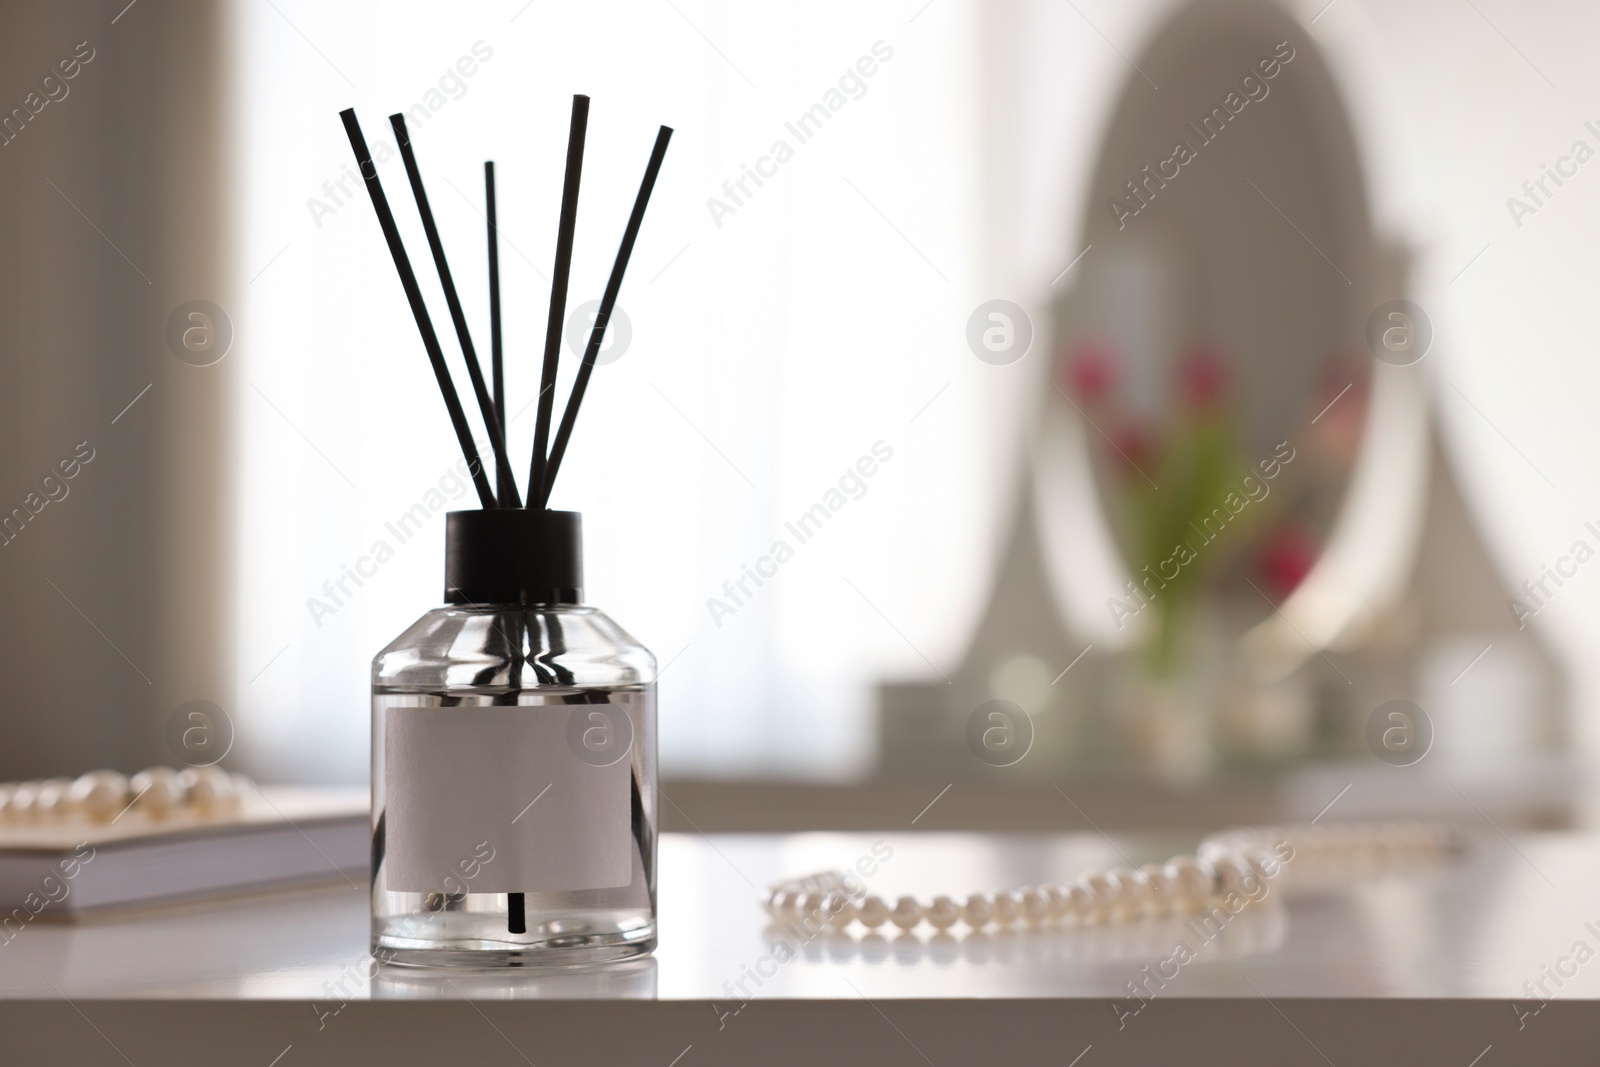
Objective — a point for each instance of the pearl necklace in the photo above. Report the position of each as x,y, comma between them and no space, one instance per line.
102,796
1233,869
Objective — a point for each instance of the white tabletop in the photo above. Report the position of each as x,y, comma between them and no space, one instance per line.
1504,916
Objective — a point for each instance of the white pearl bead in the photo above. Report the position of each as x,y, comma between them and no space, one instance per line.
977,910
1236,874
942,913
810,908
874,912
1193,883
23,798
6,791
1102,894
907,913
1158,898
210,789
1007,906
1035,906
1128,889
1080,903
52,796
1059,903
100,795
157,789
788,904
839,910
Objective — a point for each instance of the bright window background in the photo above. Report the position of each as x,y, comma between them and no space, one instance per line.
769,353
819,318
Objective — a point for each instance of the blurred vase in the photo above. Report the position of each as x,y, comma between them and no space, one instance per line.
1166,721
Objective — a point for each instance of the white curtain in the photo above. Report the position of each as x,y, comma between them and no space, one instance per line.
783,345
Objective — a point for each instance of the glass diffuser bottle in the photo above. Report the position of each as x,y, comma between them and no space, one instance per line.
514,729
513,762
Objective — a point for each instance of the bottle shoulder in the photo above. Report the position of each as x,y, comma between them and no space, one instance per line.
511,647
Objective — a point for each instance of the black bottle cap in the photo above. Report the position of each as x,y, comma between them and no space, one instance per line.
513,556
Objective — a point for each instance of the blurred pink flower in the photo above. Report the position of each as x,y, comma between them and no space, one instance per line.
1287,555
1203,375
1088,370
1134,444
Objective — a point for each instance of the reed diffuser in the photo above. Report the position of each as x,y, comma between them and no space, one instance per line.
513,729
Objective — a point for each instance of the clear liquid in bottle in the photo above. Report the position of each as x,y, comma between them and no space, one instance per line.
513,790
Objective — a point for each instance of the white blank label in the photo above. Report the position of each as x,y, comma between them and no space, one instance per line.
458,778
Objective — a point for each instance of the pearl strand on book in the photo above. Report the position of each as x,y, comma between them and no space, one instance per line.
1243,864
101,796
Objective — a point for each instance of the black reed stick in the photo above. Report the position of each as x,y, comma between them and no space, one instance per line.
607,302
558,293
419,310
497,367
469,352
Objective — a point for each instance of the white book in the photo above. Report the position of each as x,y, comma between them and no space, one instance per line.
279,836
